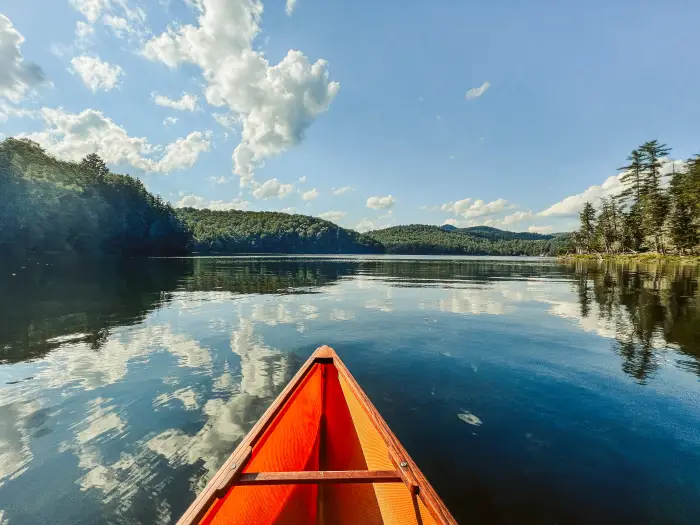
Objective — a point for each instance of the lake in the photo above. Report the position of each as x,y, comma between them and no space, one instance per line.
527,390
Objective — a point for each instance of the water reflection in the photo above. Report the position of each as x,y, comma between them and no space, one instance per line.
647,309
123,388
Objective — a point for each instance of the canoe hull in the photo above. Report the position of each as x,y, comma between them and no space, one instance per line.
321,454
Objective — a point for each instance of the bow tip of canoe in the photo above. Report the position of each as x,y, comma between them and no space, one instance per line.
325,351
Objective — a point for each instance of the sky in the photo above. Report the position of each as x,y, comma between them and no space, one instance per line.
371,114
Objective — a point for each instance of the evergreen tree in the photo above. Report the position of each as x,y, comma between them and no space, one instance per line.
655,203
587,231
632,178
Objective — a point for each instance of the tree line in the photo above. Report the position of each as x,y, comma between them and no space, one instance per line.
655,211
55,207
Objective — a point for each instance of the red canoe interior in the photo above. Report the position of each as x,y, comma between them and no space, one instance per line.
323,426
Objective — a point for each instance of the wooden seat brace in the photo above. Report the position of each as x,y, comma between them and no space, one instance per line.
319,476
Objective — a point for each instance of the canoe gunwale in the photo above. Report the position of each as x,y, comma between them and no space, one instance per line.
231,472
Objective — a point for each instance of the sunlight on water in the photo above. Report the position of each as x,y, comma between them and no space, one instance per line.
118,402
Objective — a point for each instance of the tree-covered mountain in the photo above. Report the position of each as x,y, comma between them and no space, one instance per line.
425,239
494,234
55,207
50,206
269,232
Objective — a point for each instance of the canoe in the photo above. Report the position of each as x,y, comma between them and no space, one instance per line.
320,455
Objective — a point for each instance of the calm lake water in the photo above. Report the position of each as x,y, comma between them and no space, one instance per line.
528,391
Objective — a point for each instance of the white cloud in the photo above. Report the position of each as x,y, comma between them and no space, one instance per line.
333,216
302,179
83,30
289,8
169,121
71,136
219,180
452,222
381,203
572,205
96,74
184,152
7,111
516,217
342,189
365,225
272,188
17,76
90,9
387,215
120,26
470,209
275,103
477,92
226,120
195,201
187,102
310,195
540,229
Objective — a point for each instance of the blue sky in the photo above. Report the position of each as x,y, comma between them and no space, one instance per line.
368,96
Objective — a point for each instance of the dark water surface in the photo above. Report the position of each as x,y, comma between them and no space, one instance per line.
529,392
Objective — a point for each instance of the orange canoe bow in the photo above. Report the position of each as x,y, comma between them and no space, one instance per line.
320,455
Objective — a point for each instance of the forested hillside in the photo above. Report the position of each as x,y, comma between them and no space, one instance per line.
50,206
55,207
271,232
424,239
494,234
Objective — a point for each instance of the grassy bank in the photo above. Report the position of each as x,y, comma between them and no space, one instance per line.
634,257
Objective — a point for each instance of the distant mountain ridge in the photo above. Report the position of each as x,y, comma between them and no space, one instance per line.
494,234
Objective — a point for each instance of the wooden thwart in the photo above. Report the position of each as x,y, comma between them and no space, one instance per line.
319,477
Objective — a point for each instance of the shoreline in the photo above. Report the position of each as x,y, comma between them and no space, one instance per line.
633,257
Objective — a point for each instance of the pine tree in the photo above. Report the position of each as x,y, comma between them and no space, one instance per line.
588,227
655,205
95,167
632,177
684,224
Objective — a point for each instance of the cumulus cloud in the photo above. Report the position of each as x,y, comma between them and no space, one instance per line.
187,102
276,104
470,209
71,136
477,91
7,111
365,225
289,8
302,179
540,229
96,74
572,205
516,217
195,201
272,188
387,215
333,216
342,189
169,121
381,203
310,195
17,76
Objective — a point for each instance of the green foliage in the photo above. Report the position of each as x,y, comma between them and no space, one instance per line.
424,239
271,232
50,206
